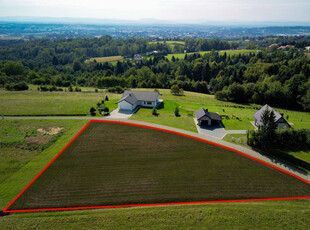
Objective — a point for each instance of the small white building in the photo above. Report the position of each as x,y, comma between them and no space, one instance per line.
137,57
133,99
307,48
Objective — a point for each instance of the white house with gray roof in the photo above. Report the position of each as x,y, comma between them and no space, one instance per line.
133,99
279,119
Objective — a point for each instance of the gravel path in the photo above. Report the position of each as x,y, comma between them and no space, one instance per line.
247,151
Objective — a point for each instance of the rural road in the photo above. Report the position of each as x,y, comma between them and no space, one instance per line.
247,151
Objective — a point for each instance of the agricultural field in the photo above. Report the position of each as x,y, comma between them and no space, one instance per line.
52,103
221,52
104,59
26,147
97,170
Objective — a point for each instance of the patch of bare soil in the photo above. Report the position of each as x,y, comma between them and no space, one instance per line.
50,130
43,135
39,140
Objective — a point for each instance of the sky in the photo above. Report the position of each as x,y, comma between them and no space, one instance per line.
168,10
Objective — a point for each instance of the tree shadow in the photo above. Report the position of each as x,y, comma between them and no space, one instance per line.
161,106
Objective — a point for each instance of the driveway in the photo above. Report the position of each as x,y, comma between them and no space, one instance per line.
121,114
216,131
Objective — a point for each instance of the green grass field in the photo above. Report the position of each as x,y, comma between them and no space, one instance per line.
20,162
97,170
51,103
221,52
32,102
104,59
169,42
292,214
192,101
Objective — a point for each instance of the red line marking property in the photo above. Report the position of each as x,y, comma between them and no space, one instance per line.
156,204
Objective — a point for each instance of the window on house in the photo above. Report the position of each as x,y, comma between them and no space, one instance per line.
149,103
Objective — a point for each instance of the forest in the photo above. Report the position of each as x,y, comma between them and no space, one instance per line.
279,78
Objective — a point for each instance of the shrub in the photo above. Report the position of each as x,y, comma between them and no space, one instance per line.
175,90
176,111
77,89
154,111
116,89
17,86
92,111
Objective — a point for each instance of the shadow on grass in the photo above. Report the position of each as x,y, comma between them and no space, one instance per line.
281,156
161,106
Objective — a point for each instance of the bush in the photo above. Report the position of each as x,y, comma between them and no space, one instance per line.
116,89
77,89
92,111
177,111
17,86
46,88
154,112
293,139
175,90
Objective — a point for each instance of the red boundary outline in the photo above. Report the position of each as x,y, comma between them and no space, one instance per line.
156,204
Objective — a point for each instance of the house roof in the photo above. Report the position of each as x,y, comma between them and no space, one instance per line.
133,96
204,112
260,112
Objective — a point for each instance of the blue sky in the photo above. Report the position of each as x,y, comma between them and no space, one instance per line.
172,10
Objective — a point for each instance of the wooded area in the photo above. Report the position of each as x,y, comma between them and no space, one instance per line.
279,78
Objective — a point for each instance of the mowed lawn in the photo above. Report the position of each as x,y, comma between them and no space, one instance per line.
191,102
115,164
51,103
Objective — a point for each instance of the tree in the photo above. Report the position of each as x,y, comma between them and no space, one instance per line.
13,68
77,66
264,138
175,90
154,111
92,111
177,111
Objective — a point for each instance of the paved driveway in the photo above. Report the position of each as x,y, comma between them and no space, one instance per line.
216,130
121,114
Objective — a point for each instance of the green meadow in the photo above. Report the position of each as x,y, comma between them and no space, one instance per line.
191,102
52,103
24,151
221,52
